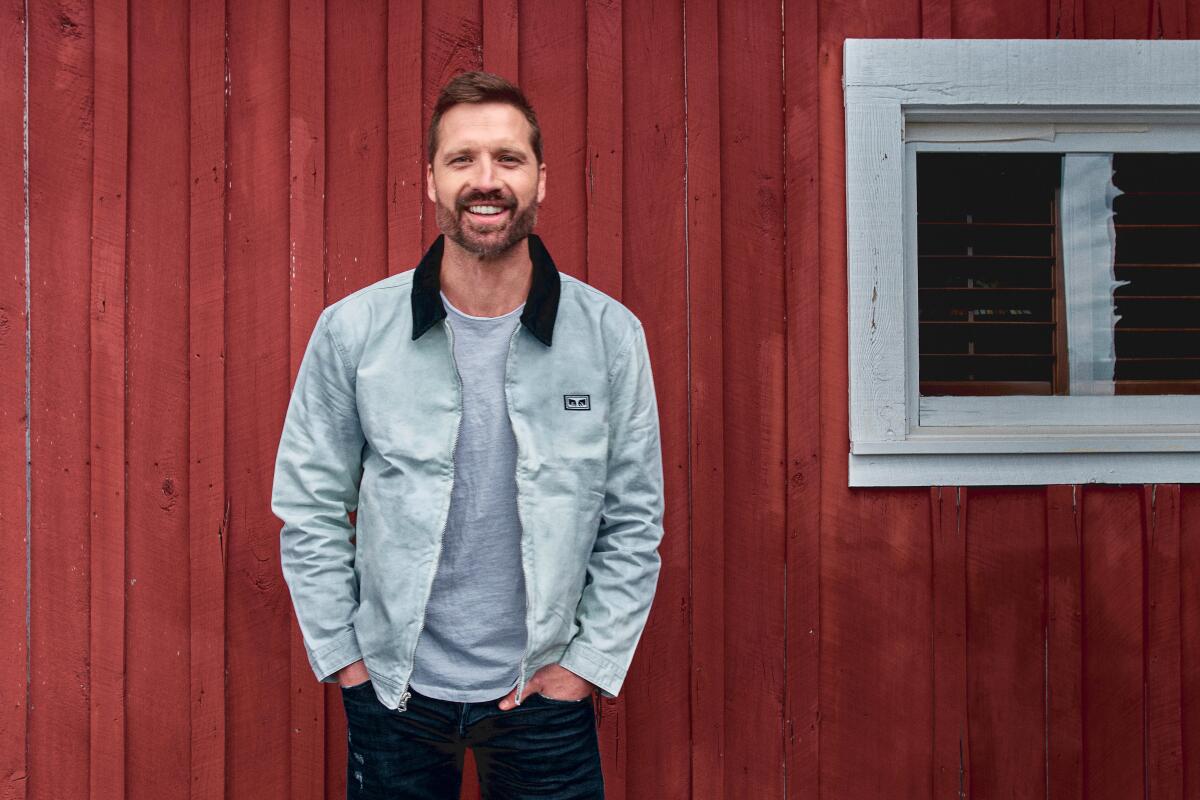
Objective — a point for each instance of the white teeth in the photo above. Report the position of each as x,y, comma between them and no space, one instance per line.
484,209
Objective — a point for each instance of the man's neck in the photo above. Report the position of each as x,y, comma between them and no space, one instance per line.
486,287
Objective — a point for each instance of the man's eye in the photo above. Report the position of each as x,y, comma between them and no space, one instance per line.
459,160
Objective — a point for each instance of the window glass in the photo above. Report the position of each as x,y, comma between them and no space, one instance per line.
1004,308
988,273
1157,226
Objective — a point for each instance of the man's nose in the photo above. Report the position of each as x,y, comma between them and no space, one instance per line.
486,178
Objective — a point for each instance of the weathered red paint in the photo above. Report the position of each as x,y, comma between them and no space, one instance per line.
807,640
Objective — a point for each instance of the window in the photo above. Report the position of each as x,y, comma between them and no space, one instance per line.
1024,261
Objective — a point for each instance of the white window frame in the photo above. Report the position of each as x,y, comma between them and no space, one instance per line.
1050,96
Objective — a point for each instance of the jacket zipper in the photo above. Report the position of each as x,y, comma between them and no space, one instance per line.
520,521
406,694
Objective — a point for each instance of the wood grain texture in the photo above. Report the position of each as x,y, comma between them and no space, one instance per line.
1168,19
257,361
875,576
1006,645
1113,674
802,594
500,34
14,426
553,62
107,385
1163,643
1064,644
452,42
208,510
1117,19
356,143
707,402
952,775
752,231
1018,19
1189,627
1065,19
605,265
405,136
61,136
604,157
308,42
654,286
157,690
937,19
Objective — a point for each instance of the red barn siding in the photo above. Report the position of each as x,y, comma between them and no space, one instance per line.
203,181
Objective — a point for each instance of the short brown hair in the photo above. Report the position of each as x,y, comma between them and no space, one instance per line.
483,87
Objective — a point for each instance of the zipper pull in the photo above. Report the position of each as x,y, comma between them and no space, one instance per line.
404,698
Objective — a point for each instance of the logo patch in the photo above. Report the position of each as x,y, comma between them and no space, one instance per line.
577,402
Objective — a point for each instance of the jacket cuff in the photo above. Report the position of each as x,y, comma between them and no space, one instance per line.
341,652
592,665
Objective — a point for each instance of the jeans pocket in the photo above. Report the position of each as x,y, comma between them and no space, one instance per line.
560,702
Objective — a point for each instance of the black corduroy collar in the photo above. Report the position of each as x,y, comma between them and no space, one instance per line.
541,306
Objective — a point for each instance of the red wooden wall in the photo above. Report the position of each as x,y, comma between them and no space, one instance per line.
198,179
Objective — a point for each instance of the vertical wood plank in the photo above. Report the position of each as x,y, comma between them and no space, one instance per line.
1113,630
500,38
452,42
604,269
1164,685
752,169
706,394
876,665
653,283
1017,19
258,608
61,128
107,602
1065,19
356,121
951,729
1064,645
1005,577
876,669
936,19
1168,19
554,77
157,680
605,146
1117,19
804,417
1189,626
14,427
208,509
307,45
406,143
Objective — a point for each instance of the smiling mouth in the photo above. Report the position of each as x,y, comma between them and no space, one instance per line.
486,210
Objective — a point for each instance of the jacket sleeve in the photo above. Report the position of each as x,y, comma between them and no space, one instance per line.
317,474
622,571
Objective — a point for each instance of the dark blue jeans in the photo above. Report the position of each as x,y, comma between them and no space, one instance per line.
543,748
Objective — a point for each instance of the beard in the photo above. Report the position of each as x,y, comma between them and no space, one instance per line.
486,241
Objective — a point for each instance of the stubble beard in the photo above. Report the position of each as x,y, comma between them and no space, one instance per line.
484,244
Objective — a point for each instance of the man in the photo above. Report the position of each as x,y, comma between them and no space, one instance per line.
494,424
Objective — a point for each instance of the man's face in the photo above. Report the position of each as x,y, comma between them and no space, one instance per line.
484,180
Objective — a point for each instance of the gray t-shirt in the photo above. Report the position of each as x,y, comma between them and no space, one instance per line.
470,648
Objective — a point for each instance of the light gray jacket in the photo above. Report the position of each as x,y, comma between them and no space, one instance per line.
372,425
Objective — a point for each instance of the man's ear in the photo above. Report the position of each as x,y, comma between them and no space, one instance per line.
430,191
541,190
